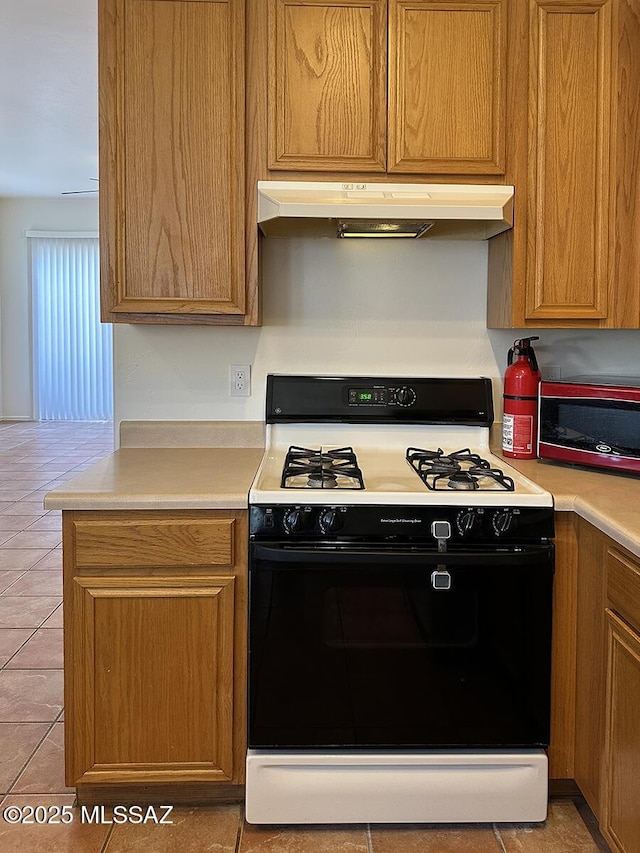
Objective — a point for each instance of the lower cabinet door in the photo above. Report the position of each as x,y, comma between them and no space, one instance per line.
621,790
149,688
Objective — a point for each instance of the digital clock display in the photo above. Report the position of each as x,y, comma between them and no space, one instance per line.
368,396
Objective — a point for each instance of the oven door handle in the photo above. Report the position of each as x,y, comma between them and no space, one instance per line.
292,557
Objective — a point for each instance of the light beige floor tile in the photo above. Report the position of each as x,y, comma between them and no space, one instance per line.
202,829
22,611
564,831
37,583
7,578
23,508
17,743
52,562
446,838
55,620
33,539
296,839
10,641
21,558
51,521
15,493
17,523
33,695
44,774
73,837
42,651
22,479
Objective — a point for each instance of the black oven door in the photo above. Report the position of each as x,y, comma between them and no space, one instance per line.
374,648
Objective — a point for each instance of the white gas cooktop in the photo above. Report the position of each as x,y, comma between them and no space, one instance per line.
387,476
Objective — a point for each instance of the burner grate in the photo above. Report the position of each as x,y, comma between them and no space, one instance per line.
321,469
459,470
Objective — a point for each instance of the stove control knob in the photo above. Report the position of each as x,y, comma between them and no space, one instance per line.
405,396
330,521
503,521
295,520
467,521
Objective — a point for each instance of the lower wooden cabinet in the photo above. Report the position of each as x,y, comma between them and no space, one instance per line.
620,819
590,661
607,755
155,650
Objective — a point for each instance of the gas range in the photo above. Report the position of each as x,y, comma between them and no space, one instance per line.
390,556
343,450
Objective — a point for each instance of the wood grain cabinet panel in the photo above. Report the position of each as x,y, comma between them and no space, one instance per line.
127,543
447,86
573,100
154,670
327,85
155,628
172,163
404,86
570,191
620,822
590,662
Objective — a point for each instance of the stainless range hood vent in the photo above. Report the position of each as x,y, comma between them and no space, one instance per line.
441,211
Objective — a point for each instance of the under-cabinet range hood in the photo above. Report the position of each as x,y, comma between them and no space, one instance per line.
441,211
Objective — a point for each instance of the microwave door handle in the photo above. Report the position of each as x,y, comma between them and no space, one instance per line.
342,558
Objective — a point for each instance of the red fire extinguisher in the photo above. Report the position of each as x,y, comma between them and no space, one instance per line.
520,401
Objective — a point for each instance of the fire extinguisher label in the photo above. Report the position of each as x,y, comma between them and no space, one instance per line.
517,433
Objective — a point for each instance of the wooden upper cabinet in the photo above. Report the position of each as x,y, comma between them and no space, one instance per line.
327,85
172,173
447,86
572,258
570,187
413,86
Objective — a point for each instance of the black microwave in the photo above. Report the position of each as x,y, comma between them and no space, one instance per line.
591,420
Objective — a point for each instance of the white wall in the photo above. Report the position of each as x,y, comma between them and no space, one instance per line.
340,307
17,215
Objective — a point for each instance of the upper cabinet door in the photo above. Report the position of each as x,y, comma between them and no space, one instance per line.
327,85
570,186
447,86
172,158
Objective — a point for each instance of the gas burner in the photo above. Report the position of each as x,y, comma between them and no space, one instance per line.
321,469
462,480
322,480
459,470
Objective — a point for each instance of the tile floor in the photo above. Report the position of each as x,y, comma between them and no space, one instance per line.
34,458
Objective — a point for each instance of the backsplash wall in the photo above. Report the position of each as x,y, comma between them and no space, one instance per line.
345,307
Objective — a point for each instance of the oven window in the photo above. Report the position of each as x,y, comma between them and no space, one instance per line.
375,656
583,424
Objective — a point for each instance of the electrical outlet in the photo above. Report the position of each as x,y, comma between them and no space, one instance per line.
240,380
552,372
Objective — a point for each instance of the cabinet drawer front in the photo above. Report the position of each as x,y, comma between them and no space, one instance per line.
623,587
153,542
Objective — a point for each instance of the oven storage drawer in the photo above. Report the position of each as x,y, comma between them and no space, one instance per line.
399,648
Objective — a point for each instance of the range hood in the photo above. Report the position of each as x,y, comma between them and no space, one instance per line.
441,211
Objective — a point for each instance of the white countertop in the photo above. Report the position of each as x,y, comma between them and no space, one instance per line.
219,477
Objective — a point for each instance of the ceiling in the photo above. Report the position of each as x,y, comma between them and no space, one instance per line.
48,97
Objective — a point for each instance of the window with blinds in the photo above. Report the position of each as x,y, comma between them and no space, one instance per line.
73,351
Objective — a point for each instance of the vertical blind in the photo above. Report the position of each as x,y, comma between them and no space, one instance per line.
73,351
